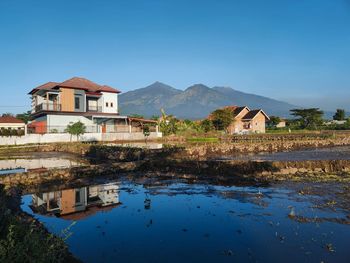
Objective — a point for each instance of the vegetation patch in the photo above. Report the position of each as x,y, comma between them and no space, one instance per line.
23,239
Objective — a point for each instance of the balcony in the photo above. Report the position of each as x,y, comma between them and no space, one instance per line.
94,108
48,106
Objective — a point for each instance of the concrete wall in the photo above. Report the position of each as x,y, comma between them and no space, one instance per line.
258,123
109,98
60,122
65,137
64,120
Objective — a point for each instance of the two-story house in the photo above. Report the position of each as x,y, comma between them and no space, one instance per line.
55,105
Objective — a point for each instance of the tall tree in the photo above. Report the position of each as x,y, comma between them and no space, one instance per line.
339,115
309,118
221,118
24,116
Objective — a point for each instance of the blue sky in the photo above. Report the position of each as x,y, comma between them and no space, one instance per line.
294,50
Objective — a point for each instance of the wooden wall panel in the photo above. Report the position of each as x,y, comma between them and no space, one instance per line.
67,99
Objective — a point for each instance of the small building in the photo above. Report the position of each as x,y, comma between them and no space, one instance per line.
335,122
247,121
12,123
281,124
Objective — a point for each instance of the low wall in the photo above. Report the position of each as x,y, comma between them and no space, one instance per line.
65,137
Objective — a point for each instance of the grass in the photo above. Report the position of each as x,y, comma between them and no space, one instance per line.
203,139
23,239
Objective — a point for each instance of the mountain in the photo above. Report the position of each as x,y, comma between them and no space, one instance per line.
195,102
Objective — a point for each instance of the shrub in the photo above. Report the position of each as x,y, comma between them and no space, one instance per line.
77,128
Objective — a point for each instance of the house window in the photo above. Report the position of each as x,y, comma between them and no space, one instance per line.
77,196
106,104
77,103
112,104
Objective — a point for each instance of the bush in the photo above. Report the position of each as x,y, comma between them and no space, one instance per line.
11,132
207,125
22,239
222,118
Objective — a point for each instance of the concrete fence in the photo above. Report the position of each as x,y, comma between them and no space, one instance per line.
65,137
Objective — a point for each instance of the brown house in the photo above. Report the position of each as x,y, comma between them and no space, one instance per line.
247,121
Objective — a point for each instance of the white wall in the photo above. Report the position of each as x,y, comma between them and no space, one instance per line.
64,120
60,122
65,137
109,98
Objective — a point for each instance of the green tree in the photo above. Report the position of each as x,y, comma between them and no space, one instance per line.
222,118
77,128
24,116
7,114
339,115
274,121
309,118
168,124
207,125
155,117
146,131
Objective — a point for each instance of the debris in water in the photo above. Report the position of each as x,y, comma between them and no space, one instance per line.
330,247
292,213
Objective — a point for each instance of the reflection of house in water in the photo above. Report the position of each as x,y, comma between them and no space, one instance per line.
21,165
77,203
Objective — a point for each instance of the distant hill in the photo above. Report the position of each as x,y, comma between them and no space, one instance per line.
195,102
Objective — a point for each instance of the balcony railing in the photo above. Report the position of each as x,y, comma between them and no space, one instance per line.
47,106
94,109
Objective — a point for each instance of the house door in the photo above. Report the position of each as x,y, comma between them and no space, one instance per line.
104,128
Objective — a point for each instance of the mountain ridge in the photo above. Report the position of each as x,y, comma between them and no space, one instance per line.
195,102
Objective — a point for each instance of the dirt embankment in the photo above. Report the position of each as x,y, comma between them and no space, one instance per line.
239,172
228,146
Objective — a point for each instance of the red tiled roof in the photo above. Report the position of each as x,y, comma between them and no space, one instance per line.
142,120
46,86
106,88
77,83
10,119
80,83
235,109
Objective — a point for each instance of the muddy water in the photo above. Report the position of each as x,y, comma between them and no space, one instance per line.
173,221
23,162
329,153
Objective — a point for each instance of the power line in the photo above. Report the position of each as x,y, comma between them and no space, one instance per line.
1,106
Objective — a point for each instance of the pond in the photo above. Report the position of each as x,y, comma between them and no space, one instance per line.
25,162
174,221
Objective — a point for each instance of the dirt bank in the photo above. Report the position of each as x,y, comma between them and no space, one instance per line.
225,147
238,172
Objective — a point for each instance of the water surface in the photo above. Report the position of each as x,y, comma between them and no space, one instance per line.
173,221
25,162
327,153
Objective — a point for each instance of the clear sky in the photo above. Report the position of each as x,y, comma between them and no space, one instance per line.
294,50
